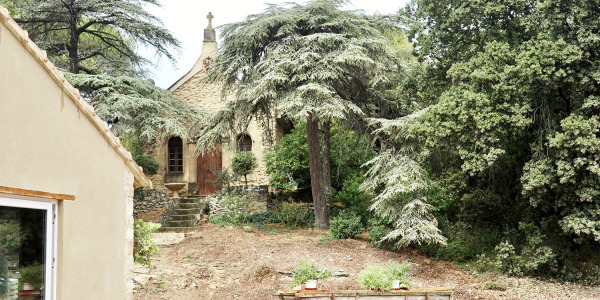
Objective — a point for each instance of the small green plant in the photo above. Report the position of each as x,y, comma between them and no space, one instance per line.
32,274
148,163
243,163
381,277
143,243
235,208
306,270
291,214
495,285
345,225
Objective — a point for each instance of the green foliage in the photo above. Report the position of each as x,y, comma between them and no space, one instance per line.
291,214
95,36
243,163
352,198
511,129
306,270
143,243
32,274
288,165
148,164
378,230
3,275
381,277
235,210
134,105
134,143
10,237
345,225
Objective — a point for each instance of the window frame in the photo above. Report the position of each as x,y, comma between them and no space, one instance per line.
178,162
50,206
244,145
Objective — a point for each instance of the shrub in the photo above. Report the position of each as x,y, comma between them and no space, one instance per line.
143,243
345,225
235,209
377,233
291,214
243,163
351,198
381,277
263,217
306,270
148,164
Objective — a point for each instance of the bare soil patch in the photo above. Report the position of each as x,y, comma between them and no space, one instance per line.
245,263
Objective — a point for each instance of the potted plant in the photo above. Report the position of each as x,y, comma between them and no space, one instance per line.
384,277
398,272
31,280
307,273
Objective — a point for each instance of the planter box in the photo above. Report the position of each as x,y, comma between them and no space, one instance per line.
444,293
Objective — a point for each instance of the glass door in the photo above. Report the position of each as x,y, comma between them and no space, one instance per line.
27,247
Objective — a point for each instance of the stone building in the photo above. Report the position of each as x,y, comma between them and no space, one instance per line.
65,179
178,160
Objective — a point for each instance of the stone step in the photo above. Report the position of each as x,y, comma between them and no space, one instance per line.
181,223
178,229
188,205
184,211
190,200
168,238
185,217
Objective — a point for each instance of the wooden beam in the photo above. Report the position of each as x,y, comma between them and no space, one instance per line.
35,194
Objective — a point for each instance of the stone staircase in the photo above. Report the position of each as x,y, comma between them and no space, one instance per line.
184,215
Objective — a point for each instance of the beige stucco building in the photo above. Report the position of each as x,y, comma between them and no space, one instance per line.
178,159
57,157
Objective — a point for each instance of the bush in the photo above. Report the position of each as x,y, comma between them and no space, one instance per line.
143,243
381,277
345,225
377,233
306,270
263,217
291,214
148,164
352,199
235,209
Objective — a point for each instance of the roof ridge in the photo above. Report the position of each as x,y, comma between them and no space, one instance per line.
73,93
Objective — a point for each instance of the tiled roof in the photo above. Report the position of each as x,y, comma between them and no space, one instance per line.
73,93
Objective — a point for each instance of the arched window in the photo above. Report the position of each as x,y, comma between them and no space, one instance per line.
175,155
244,142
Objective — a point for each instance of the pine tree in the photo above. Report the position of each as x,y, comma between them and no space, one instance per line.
134,105
94,36
314,63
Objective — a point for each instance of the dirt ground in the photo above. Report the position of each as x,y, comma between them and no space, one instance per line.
247,263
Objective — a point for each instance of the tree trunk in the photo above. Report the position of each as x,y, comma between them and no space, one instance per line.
73,43
326,159
319,200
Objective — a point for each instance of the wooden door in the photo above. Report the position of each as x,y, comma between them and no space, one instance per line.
207,167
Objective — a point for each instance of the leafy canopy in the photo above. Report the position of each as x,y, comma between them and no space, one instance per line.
94,36
300,60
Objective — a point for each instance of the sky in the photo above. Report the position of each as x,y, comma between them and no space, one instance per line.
186,19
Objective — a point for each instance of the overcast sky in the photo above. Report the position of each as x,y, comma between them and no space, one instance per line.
186,19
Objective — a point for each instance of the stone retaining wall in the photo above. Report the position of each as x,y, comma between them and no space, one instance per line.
258,199
150,201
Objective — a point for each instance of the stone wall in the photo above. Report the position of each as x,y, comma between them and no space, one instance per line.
152,200
258,199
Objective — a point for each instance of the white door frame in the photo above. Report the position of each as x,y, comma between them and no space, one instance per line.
50,260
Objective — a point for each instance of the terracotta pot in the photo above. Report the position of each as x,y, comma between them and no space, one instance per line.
311,285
